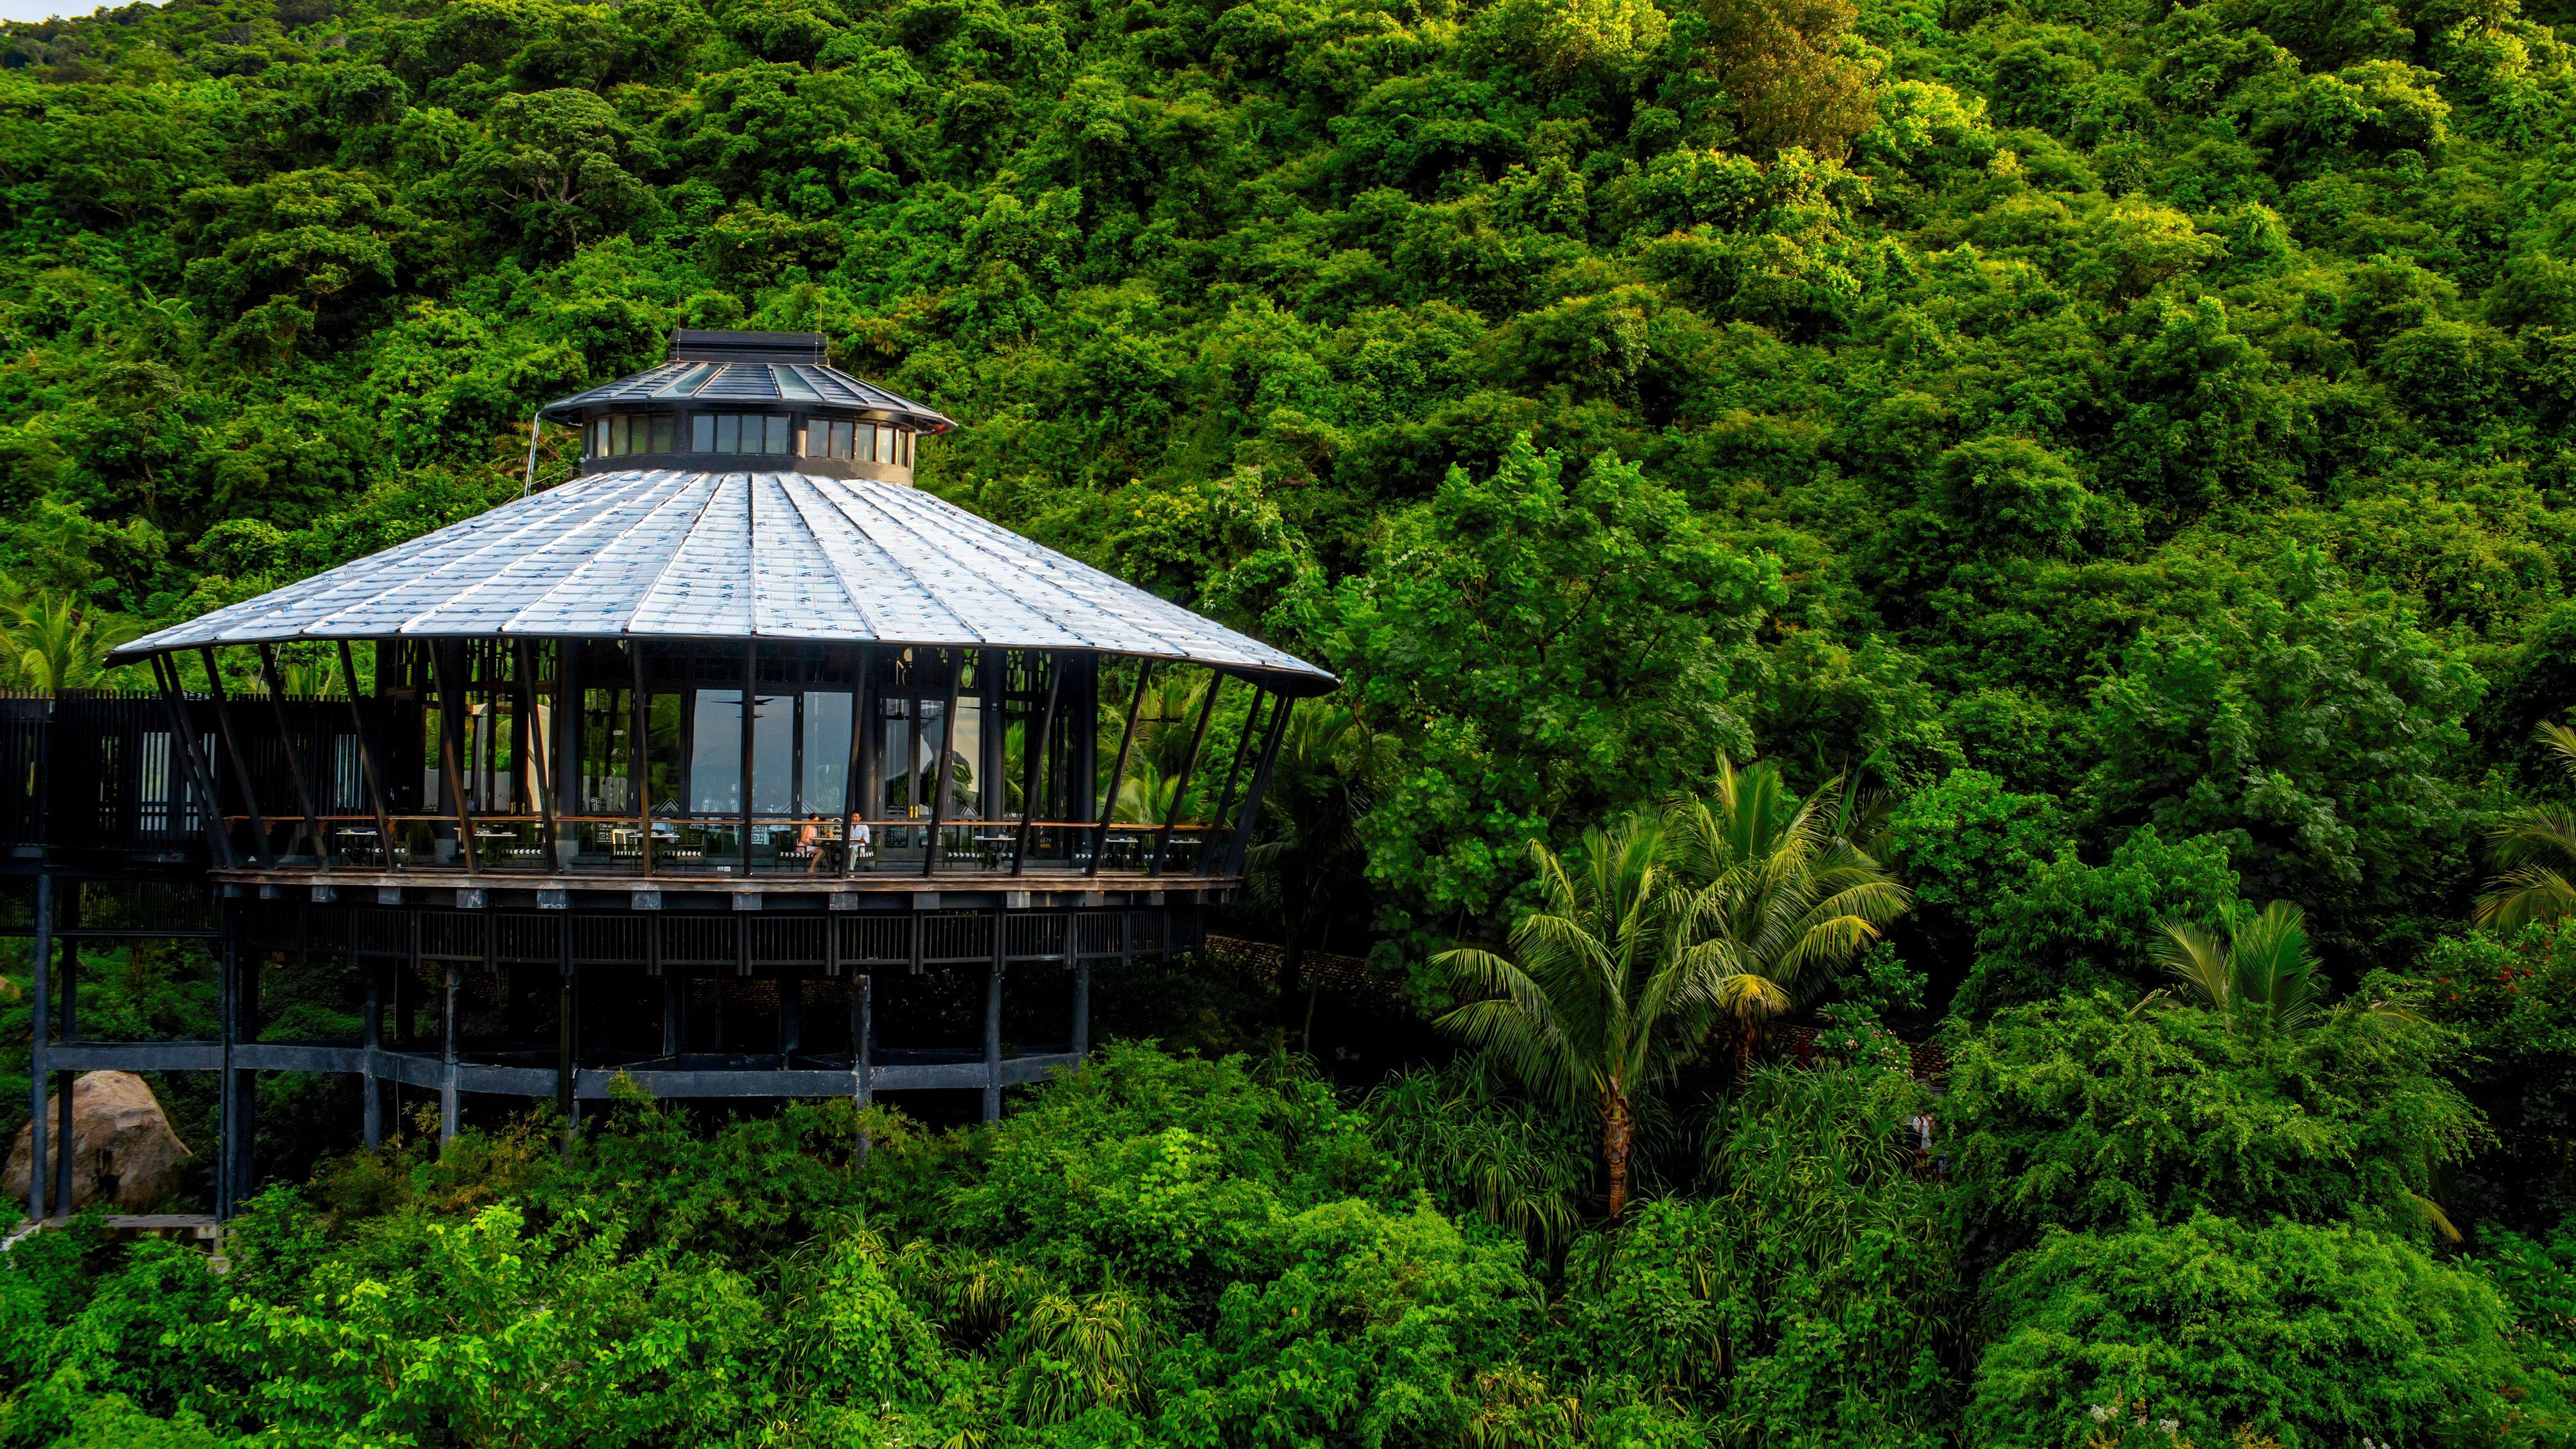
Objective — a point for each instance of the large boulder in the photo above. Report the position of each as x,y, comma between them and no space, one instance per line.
123,1151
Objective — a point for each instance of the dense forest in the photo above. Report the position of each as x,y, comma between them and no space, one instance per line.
2001,572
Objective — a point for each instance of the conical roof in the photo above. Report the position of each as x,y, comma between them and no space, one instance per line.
731,555
785,369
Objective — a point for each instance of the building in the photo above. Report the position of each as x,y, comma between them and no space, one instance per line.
734,720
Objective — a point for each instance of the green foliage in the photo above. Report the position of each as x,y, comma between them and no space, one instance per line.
2085,1115
1731,907
1548,651
2303,1333
2314,731
2070,927
2513,1000
2130,437
1813,1295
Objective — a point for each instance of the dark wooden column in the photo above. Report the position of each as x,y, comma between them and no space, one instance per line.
447,1055
371,1037
1181,786
451,733
245,1093
1118,771
40,970
1033,749
933,849
863,1034
241,762
304,798
65,1144
993,1019
750,693
367,760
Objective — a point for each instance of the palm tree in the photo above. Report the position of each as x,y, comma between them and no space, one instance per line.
1603,998
2536,849
55,644
1781,895
2259,972
1145,796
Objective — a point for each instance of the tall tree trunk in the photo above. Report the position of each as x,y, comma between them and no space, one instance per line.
1616,1129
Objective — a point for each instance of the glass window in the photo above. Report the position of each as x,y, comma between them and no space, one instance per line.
715,753
624,433
741,433
894,757
827,752
825,439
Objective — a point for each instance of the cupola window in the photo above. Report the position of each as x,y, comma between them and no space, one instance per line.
738,433
621,433
857,442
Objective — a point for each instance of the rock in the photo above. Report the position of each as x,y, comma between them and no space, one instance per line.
123,1150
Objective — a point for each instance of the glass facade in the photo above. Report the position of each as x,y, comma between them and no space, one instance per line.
623,433
739,433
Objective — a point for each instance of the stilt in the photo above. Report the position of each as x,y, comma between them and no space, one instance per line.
447,1058
563,1054
40,968
64,1142
993,1033
372,1039
1082,1008
863,1033
228,1025
245,1028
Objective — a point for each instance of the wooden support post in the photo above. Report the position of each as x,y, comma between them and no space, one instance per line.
993,1025
1082,1006
40,970
447,1057
1118,771
1260,782
65,1144
227,1026
564,1044
244,1141
931,855
241,762
407,998
1033,749
750,693
565,761
451,729
1181,786
371,1038
863,1033
537,753
638,766
183,743
853,797
1234,772
304,799
367,761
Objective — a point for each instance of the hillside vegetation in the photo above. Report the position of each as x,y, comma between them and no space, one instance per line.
2105,460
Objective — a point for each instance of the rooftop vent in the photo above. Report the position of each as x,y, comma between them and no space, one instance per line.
694,346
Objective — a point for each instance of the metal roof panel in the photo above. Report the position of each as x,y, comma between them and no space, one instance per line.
733,555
